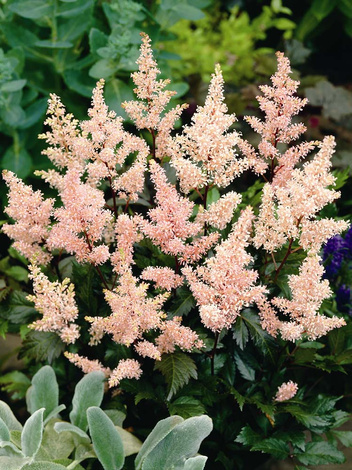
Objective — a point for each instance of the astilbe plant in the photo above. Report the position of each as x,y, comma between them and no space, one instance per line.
205,244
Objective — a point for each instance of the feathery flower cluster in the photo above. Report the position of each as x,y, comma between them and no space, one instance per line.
223,286
205,152
56,302
286,391
308,292
32,215
87,365
279,105
90,156
288,212
169,226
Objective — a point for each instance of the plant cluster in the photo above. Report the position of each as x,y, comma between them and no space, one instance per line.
149,259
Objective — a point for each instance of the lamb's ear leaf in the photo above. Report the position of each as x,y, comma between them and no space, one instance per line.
106,440
32,433
44,392
88,392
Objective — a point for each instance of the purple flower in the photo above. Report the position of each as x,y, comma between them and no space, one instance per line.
335,249
343,299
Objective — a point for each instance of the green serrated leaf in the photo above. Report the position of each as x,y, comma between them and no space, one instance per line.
320,453
277,448
244,366
177,368
186,407
247,436
182,303
344,436
42,346
240,333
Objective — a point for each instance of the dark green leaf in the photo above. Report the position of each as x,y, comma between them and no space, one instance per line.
34,113
15,383
247,436
240,332
186,407
177,368
32,9
13,85
320,453
182,303
244,366
344,436
42,346
278,448
17,308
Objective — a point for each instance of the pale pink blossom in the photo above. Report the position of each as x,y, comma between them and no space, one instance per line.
151,92
174,334
32,218
219,213
286,391
80,221
169,226
87,365
164,278
207,147
56,302
126,235
126,369
148,349
224,284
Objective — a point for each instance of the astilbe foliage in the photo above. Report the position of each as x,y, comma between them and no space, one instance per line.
218,269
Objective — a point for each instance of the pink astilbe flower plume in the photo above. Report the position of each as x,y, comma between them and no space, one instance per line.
308,292
169,226
81,221
205,152
286,391
32,218
279,106
289,212
223,286
56,302
87,365
151,92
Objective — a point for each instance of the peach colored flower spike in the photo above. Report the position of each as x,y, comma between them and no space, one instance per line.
286,391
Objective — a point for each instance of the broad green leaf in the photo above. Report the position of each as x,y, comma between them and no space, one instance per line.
195,463
78,81
17,160
186,407
44,466
55,446
89,392
336,339
15,383
13,85
180,444
116,92
74,9
18,273
4,431
160,431
260,337
189,12
10,449
97,39
32,434
54,45
12,463
106,440
311,421
32,9
103,68
116,416
312,345
277,448
60,427
131,444
17,308
44,392
9,418
320,453
344,436
177,368
322,8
